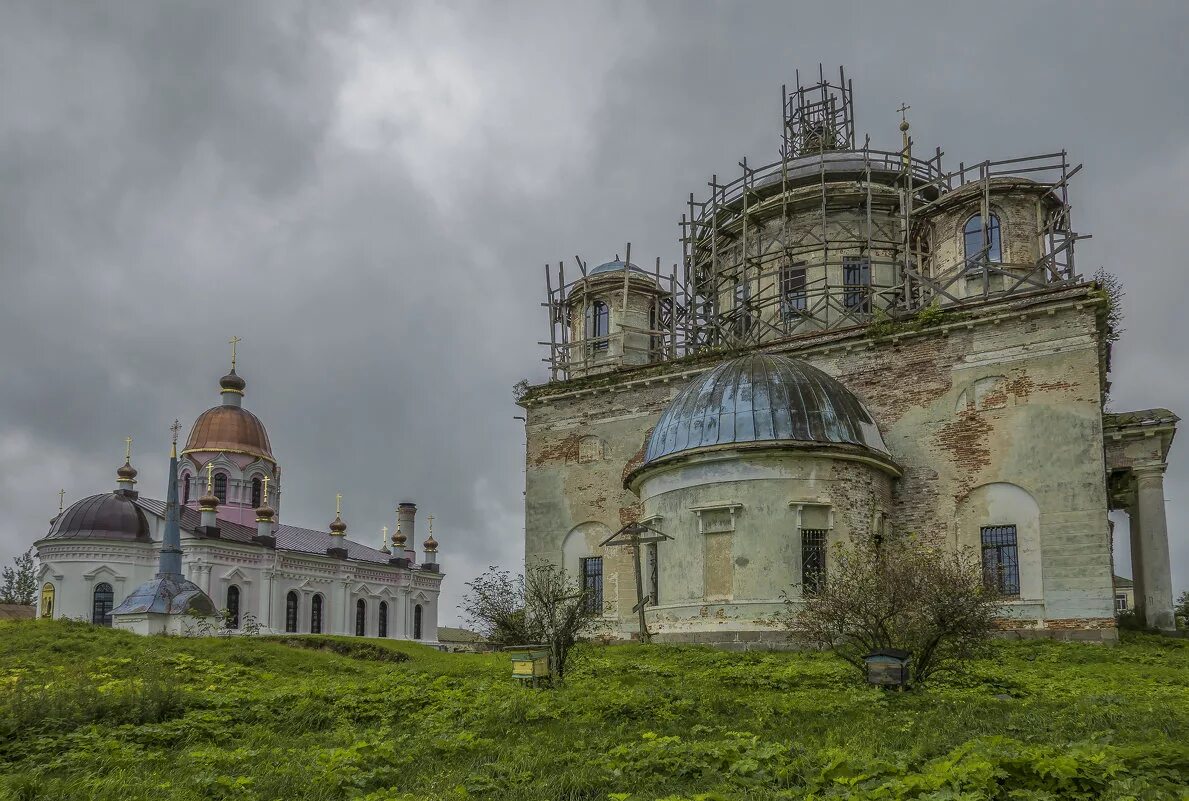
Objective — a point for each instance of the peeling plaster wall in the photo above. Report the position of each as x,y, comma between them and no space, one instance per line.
1010,395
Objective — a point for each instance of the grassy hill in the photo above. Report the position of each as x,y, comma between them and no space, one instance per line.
100,714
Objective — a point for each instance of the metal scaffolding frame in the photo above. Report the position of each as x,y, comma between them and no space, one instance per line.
832,208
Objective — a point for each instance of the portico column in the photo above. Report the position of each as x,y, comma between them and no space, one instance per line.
1153,541
1137,563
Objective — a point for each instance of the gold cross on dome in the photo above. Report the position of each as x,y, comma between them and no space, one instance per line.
127,449
234,341
61,500
904,107
430,519
338,504
265,482
210,467
175,428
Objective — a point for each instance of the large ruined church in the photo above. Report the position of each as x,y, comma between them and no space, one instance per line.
856,343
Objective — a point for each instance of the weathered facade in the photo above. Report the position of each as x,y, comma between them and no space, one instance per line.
946,304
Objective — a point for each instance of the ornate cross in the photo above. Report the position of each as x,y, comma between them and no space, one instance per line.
265,482
61,500
128,449
210,466
234,341
338,504
904,107
383,535
175,428
430,519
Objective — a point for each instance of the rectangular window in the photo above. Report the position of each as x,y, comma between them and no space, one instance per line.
792,290
742,310
598,325
592,583
654,587
1120,603
856,280
1001,565
813,560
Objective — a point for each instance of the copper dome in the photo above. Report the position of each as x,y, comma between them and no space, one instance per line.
110,516
230,429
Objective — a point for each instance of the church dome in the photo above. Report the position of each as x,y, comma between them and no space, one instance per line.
763,398
109,516
230,429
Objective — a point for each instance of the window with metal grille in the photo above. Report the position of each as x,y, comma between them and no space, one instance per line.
792,290
101,604
316,615
256,492
592,583
856,281
982,244
1001,565
598,325
221,487
654,586
813,559
382,622
233,607
291,612
360,617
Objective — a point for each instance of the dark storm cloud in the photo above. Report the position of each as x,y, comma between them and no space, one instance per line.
366,194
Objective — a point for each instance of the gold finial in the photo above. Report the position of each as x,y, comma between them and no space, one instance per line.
128,449
265,482
61,500
338,504
430,519
210,481
234,341
904,107
175,428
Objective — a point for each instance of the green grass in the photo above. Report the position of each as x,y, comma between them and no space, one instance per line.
92,713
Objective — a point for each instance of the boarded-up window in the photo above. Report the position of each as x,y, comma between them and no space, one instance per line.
717,520
717,567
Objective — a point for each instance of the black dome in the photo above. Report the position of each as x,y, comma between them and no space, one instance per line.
107,517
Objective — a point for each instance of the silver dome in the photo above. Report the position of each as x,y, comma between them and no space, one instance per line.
763,398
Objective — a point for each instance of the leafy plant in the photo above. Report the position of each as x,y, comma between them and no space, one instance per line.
19,583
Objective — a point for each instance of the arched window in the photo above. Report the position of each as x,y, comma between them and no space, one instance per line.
221,487
186,488
360,617
102,604
291,612
316,615
417,622
47,601
233,607
383,621
597,325
975,242
256,492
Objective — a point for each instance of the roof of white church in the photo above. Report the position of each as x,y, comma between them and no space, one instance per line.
759,398
289,538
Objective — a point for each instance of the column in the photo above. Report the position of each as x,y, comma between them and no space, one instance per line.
1153,541
1137,564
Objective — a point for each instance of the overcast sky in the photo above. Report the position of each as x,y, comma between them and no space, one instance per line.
367,194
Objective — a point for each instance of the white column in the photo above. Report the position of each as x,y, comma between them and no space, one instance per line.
1153,540
1137,564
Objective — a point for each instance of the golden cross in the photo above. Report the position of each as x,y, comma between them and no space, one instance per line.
61,500
430,519
127,449
903,108
175,428
234,341
266,490
338,504
210,466
383,535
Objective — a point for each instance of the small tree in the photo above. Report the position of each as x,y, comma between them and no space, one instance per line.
900,594
19,585
1181,610
542,606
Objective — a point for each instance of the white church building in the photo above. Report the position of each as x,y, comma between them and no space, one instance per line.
262,574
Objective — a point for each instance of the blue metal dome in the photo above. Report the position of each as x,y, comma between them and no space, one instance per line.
763,398
614,266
